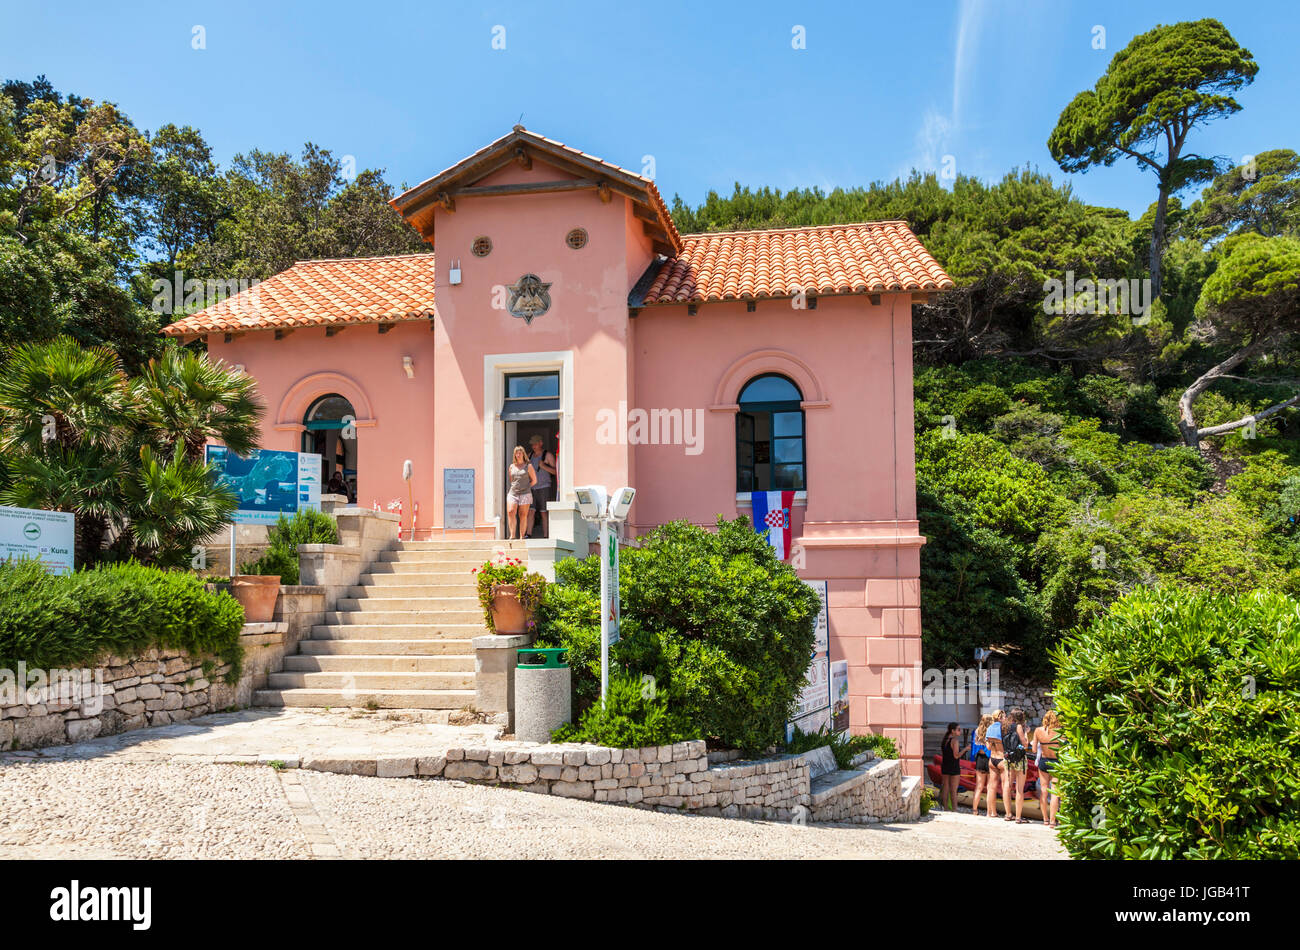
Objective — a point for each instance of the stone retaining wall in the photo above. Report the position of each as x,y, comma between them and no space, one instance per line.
157,688
666,778
1034,698
866,796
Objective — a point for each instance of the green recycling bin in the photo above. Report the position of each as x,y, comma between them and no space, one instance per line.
543,693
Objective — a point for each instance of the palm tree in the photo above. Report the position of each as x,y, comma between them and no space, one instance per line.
61,393
188,400
172,504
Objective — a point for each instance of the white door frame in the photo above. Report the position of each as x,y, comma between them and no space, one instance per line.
495,368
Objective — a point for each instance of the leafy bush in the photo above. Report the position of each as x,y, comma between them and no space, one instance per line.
723,626
633,716
844,748
281,558
529,588
58,622
1181,719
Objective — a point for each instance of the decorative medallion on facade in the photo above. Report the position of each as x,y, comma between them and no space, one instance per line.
529,298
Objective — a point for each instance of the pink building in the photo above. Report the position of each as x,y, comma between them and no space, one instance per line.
560,301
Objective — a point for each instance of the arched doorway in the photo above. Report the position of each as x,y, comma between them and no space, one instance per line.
331,433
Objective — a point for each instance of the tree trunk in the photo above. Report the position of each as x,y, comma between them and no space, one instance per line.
1158,241
1186,418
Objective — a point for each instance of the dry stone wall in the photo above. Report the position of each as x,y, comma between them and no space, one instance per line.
667,778
154,689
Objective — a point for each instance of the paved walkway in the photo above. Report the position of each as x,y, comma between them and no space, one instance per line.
177,792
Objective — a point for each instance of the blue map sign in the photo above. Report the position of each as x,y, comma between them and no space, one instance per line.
269,483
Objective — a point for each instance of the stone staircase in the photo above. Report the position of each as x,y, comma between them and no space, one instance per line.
401,639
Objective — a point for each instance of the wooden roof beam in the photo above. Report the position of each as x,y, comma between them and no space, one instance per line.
522,188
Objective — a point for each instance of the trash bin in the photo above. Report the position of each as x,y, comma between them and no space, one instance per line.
543,693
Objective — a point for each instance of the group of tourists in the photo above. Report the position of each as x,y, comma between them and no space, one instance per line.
1001,749
532,482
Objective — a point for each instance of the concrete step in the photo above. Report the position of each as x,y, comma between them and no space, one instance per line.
388,592
405,618
421,604
350,647
452,572
486,546
379,662
449,560
376,698
354,681
433,584
397,631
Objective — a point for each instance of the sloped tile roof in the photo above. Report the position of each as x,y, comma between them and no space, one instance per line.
470,166
875,257
323,293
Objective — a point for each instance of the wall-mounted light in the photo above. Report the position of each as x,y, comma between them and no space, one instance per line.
454,276
408,367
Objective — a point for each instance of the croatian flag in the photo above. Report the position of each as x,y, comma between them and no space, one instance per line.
772,514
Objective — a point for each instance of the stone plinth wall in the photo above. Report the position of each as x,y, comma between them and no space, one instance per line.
865,796
155,689
667,778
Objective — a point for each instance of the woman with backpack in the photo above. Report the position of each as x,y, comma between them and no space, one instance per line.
1015,744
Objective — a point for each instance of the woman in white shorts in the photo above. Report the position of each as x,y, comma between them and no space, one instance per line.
520,499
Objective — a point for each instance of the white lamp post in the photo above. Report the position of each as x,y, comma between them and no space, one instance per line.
608,512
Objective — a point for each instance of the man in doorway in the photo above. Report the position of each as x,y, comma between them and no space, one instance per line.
543,463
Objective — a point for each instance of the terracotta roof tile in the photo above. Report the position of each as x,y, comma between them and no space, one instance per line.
875,257
320,293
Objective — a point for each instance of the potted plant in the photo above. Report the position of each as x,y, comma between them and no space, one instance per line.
257,586
509,595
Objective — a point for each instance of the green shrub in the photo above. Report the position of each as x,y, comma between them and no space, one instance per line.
59,622
1181,719
634,716
844,748
281,558
723,626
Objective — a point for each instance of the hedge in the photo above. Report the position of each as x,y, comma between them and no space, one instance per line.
1181,719
75,620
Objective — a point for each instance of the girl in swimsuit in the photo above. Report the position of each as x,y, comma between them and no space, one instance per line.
997,767
1047,740
983,776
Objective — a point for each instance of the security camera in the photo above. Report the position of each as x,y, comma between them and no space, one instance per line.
591,501
620,502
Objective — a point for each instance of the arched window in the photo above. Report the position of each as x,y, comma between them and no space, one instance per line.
770,436
331,435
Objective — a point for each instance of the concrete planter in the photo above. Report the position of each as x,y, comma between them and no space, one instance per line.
509,617
257,594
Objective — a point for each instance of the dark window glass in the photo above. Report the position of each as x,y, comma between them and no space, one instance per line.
533,386
770,389
770,436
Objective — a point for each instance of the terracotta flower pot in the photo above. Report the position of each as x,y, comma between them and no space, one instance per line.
508,615
257,593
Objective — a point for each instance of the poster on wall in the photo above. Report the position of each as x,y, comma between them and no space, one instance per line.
268,482
457,498
840,697
36,535
812,707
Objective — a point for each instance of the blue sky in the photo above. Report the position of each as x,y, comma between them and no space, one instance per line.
713,91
